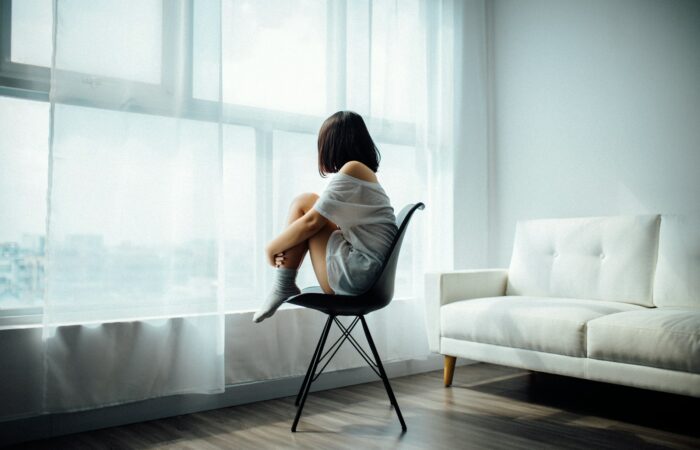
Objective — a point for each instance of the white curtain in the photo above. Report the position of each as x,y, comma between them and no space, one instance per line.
134,303
180,132
391,61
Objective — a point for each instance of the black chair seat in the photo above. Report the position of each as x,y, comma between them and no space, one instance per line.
335,305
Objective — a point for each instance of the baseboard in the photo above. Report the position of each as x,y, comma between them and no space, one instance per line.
53,425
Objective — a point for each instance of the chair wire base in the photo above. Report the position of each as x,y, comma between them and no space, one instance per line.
374,362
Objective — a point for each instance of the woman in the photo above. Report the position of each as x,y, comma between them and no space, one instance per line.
347,230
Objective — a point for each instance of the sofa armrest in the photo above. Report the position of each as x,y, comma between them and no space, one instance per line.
442,288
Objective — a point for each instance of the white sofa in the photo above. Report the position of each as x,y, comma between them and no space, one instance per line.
614,299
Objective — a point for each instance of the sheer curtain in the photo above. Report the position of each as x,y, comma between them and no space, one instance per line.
180,131
392,62
134,303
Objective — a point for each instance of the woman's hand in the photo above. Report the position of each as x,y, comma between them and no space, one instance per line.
275,260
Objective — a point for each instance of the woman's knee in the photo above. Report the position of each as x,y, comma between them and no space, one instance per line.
305,201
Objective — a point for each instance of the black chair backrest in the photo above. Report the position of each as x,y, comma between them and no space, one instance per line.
382,290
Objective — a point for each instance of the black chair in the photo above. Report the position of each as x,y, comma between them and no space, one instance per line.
376,297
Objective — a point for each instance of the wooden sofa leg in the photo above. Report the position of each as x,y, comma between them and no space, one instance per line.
449,369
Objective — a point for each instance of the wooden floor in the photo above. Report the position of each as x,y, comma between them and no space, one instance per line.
487,407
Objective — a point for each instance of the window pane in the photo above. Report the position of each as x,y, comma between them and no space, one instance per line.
243,257
30,42
274,54
395,55
206,49
133,214
120,39
294,171
357,63
23,181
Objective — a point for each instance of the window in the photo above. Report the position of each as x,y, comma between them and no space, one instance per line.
24,128
164,246
393,61
280,78
111,40
274,55
241,191
30,41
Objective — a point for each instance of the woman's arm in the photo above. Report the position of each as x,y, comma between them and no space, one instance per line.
296,232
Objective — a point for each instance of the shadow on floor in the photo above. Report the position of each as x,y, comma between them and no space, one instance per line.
642,407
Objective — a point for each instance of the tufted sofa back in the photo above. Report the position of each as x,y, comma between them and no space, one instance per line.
597,258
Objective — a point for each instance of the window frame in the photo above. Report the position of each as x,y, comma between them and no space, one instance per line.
18,80
31,82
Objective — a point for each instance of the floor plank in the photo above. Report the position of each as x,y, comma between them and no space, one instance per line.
488,406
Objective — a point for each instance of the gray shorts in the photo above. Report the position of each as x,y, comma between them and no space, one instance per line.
350,272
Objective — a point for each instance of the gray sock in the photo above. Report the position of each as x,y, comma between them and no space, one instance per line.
283,287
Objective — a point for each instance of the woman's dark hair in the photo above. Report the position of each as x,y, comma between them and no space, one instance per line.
344,137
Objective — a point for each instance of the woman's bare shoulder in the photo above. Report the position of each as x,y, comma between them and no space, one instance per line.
358,170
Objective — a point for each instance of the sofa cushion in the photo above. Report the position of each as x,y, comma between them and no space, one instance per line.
666,338
598,258
552,325
677,281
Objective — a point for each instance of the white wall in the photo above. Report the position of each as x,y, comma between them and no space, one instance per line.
596,110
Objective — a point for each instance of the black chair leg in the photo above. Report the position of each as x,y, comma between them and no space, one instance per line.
311,363
313,367
378,360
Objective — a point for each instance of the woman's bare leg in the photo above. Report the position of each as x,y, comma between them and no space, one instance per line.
316,244
317,248
301,204
287,262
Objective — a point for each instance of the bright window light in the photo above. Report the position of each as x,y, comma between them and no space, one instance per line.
396,46
31,32
145,179
241,212
274,55
119,39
